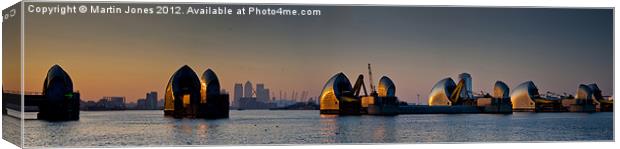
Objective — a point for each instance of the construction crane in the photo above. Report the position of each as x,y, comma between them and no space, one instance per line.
372,86
304,94
457,91
359,84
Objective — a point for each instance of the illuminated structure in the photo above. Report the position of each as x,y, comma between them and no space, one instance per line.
187,96
60,102
467,92
209,85
182,96
441,92
604,104
588,99
217,104
500,102
384,101
337,97
386,87
584,100
447,93
596,92
501,90
525,97
584,93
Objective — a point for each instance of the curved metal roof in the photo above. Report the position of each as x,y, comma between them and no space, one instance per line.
57,84
583,92
386,87
334,90
339,85
183,82
596,92
441,91
523,96
184,79
501,90
467,91
210,84
526,88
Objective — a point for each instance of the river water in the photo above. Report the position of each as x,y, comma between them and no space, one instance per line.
151,128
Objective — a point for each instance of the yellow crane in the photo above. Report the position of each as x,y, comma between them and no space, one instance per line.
454,98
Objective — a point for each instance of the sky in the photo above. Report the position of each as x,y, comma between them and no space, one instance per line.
130,55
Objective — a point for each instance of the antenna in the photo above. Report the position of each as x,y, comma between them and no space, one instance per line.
418,102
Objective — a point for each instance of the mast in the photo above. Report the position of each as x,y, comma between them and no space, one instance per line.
372,86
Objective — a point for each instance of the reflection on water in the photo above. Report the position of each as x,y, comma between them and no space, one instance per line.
328,128
151,128
357,129
11,128
384,131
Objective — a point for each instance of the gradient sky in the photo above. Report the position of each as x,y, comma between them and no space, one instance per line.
129,55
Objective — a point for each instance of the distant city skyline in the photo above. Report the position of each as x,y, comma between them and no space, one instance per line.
130,55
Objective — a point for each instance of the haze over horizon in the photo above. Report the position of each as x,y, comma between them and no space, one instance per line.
130,55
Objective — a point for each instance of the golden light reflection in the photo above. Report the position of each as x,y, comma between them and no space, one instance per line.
329,128
329,101
367,100
186,100
168,103
523,96
440,93
203,92
202,130
379,133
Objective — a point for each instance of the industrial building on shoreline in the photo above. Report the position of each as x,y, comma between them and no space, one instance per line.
446,96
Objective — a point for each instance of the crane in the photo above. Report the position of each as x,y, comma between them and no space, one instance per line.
457,91
372,86
359,84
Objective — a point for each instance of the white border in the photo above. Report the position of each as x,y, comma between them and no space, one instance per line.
484,3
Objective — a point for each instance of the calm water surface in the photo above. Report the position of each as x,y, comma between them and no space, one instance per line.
151,128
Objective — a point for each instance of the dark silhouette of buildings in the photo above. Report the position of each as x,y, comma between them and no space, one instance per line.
106,103
248,98
151,100
148,103
58,101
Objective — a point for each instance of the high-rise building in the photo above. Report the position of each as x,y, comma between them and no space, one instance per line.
238,94
151,100
141,104
267,97
260,92
116,103
248,91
